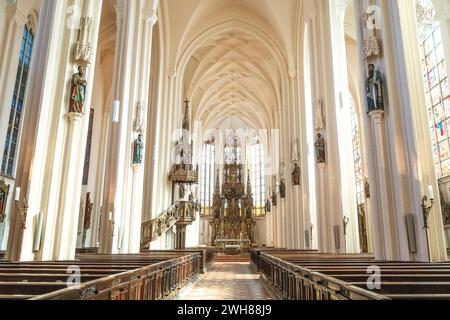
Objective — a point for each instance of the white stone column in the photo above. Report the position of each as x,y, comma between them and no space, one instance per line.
383,231
51,142
324,227
349,243
135,20
67,220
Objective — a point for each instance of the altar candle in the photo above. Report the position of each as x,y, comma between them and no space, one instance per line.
17,194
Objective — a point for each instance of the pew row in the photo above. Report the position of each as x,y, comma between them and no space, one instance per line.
293,282
397,280
149,276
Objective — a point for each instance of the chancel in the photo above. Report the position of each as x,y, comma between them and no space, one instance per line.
224,150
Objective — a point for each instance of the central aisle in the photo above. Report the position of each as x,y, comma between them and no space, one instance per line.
228,281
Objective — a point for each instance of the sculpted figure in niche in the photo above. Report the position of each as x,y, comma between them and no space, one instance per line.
78,91
320,149
138,150
296,175
374,89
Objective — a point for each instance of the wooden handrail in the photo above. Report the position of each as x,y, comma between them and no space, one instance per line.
180,212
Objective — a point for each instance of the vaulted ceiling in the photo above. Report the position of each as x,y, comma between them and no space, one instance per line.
234,74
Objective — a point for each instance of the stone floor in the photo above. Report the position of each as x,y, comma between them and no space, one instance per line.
228,281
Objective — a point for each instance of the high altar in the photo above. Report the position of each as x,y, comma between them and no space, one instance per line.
233,209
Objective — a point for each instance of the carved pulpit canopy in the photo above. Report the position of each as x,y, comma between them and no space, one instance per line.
4,191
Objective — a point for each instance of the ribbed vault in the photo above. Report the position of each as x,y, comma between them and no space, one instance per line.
233,75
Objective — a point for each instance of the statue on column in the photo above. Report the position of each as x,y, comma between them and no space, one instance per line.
138,150
282,189
268,206
296,175
274,198
374,89
320,149
78,91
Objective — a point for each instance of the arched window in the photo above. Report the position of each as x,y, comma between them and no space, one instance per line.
437,90
17,104
258,177
207,178
357,155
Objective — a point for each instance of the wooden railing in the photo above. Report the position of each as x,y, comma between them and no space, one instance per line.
154,282
292,282
180,212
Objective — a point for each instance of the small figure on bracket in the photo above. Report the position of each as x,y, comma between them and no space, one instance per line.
296,175
374,89
320,149
138,150
78,91
283,189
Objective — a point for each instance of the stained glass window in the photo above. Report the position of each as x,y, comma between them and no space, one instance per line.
258,177
437,89
17,104
357,155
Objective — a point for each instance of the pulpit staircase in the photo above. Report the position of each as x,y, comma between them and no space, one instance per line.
181,214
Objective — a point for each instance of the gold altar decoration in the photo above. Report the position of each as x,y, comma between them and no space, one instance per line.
233,207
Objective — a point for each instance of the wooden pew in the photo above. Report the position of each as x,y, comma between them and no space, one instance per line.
124,277
399,280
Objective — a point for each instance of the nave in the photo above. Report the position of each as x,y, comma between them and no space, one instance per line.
202,275
228,281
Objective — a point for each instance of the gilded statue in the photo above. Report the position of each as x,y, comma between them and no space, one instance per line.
78,91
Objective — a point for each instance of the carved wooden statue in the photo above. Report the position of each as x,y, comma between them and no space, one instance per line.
296,175
320,149
374,89
78,91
